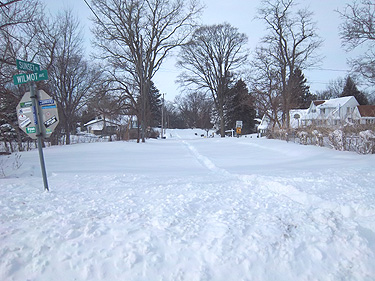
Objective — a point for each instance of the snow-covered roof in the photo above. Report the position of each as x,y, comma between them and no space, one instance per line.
92,122
96,126
122,120
334,103
99,124
264,123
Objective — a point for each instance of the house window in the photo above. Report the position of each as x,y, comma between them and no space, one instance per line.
323,111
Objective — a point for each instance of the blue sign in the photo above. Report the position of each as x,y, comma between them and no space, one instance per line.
49,101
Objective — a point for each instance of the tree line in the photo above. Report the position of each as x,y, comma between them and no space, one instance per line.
222,82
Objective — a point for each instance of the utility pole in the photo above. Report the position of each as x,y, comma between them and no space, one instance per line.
143,94
162,117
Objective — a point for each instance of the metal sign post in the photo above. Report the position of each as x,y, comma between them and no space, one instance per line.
38,131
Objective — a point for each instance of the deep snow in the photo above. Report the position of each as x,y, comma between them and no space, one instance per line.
189,208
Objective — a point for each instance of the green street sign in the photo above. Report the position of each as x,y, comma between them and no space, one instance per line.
26,104
30,77
27,66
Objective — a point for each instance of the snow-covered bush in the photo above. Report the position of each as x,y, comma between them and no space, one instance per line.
366,144
302,137
348,138
337,140
318,137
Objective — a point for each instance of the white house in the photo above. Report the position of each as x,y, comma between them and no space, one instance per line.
296,117
364,114
333,112
102,126
263,126
266,123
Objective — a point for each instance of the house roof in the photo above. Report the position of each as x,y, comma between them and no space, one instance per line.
318,102
100,122
121,120
334,103
366,110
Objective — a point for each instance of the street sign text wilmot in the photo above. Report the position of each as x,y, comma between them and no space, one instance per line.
30,77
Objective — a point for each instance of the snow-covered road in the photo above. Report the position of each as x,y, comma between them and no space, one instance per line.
188,208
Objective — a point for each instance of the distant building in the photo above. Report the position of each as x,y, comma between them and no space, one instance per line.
364,114
333,112
102,126
296,117
328,113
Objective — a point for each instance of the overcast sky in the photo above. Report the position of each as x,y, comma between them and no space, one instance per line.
241,14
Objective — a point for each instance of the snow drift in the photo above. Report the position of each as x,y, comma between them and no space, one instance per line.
190,208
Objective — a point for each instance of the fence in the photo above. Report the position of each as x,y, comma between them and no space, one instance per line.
362,142
29,144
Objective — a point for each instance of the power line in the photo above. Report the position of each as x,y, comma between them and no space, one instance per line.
104,26
331,69
93,11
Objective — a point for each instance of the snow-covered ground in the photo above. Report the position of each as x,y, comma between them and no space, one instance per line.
189,208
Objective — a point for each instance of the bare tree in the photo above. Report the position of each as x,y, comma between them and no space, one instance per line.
210,59
292,41
107,102
333,90
358,29
195,109
135,36
266,85
17,41
17,26
71,78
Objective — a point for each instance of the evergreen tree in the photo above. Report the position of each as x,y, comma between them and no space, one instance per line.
300,92
350,89
239,106
154,106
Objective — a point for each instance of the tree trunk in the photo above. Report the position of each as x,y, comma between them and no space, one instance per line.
19,139
222,124
67,133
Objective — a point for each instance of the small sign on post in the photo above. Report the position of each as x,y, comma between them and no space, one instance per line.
239,128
